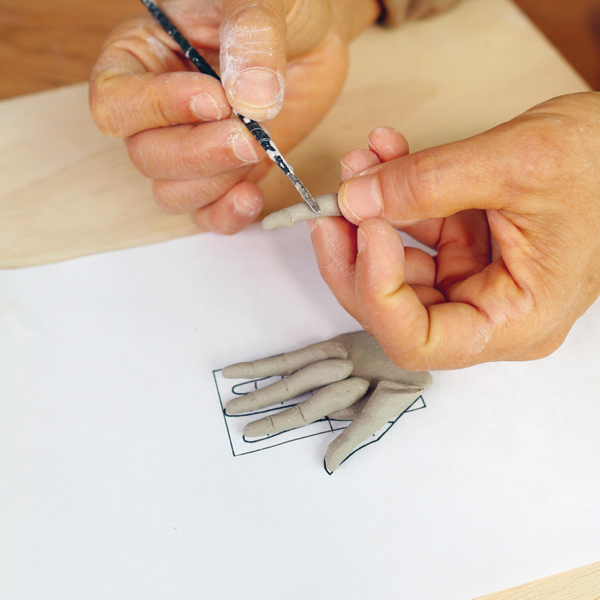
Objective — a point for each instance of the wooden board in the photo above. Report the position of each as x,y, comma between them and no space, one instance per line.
67,191
577,584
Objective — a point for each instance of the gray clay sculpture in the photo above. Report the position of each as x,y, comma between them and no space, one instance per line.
354,380
301,212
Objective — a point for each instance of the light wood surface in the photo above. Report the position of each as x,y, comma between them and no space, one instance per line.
67,191
48,44
44,44
577,584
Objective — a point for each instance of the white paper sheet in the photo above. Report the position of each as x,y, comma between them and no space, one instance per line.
118,478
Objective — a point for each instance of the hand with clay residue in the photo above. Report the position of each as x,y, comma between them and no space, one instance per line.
281,61
354,380
514,216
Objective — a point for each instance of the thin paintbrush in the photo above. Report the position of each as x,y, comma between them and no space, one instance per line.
261,136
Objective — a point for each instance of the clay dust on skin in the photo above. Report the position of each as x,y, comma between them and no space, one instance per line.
242,49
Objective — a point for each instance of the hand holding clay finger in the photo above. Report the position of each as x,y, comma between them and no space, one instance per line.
513,215
385,143
377,391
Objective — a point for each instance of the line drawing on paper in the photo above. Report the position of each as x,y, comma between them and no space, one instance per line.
234,424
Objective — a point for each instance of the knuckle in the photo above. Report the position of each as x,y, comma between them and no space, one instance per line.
102,109
422,179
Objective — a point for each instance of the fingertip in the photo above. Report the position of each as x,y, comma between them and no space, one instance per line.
420,267
233,211
360,198
387,143
253,59
257,93
356,161
247,200
205,107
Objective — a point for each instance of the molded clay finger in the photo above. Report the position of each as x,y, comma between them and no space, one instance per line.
331,398
301,212
351,412
311,377
285,364
388,401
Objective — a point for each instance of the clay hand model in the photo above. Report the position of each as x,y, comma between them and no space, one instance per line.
356,381
280,62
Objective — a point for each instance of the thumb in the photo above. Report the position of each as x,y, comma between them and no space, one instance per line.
253,56
436,182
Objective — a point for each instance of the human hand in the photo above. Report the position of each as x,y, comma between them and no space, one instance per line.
377,392
176,121
514,214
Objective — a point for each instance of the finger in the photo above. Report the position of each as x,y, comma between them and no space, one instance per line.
349,413
190,152
356,161
302,212
234,211
286,364
388,401
426,232
334,242
253,56
427,295
387,143
432,183
465,331
180,196
464,248
331,398
309,378
140,82
420,268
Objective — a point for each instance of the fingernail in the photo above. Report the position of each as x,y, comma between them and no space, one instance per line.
205,107
312,223
245,207
257,87
361,240
242,148
362,197
347,172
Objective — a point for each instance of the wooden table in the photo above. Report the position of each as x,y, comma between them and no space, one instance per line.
39,51
47,44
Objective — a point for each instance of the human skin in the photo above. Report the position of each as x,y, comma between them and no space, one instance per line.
514,215
175,121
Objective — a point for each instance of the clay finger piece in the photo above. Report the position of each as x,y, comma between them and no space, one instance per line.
389,400
333,397
351,412
311,377
301,212
285,364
